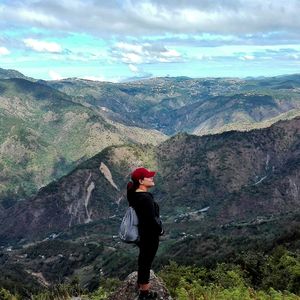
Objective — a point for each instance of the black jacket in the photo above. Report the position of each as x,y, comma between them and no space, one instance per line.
147,211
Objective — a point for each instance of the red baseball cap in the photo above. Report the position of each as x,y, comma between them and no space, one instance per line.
141,173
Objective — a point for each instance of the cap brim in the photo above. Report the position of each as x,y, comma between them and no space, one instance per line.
151,174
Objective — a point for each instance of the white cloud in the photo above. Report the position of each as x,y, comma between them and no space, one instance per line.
133,68
162,59
4,51
139,33
201,57
246,17
130,47
131,58
54,75
41,46
171,53
147,17
294,56
247,57
246,22
43,19
144,53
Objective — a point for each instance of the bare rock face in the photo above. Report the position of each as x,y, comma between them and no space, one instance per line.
129,291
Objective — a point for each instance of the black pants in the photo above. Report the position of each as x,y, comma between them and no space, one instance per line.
148,248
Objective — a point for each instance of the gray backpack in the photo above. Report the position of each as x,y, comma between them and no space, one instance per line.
128,231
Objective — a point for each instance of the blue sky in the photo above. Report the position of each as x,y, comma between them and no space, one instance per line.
120,40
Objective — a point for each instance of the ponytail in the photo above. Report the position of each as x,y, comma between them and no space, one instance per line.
132,186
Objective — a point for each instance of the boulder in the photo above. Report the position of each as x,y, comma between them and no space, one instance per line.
129,291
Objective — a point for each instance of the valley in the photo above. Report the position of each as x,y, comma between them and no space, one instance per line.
227,162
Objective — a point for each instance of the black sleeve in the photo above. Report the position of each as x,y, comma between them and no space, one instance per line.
148,216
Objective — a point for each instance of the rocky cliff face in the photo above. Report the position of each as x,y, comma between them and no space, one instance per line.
237,176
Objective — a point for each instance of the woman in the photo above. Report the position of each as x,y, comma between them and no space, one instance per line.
150,226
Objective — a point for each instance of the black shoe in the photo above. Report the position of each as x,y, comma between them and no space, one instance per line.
149,295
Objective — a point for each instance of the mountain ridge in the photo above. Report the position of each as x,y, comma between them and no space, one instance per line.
220,171
43,134
10,73
185,104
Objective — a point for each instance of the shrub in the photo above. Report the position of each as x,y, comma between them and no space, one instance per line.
282,271
6,295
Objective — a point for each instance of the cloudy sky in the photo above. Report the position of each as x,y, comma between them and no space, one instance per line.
118,40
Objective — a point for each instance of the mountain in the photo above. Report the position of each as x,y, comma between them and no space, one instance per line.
223,197
44,135
231,196
8,74
147,102
239,176
38,150
198,106
243,111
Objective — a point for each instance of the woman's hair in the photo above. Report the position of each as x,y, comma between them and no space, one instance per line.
132,186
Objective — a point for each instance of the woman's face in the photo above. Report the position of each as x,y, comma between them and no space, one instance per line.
147,182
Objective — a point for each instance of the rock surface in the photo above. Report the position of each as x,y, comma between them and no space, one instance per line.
129,291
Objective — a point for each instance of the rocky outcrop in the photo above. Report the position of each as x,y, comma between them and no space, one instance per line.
129,291
107,174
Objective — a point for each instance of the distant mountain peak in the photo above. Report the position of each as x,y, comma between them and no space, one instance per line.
9,73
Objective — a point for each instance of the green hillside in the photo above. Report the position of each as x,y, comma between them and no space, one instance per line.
43,135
